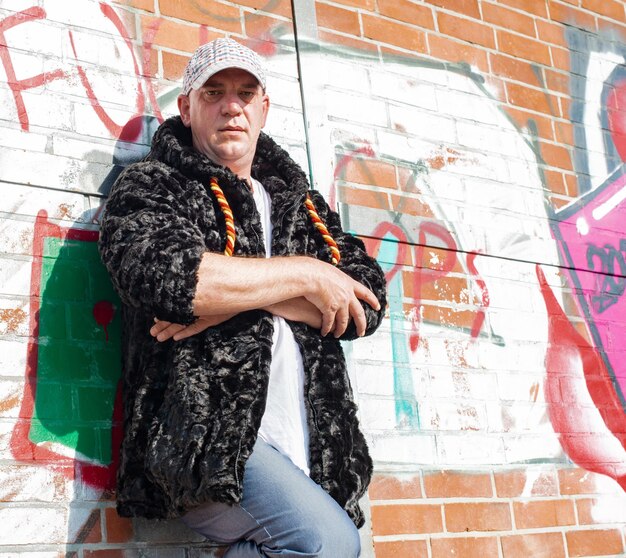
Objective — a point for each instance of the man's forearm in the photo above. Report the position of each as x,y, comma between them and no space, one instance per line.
233,285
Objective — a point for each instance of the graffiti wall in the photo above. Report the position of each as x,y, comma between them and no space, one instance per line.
476,146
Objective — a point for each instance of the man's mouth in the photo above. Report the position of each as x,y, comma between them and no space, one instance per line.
232,129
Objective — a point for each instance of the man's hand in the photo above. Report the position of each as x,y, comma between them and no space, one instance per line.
338,297
164,330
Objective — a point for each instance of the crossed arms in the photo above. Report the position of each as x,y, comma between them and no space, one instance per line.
297,288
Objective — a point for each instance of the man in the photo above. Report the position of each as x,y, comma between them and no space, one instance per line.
238,412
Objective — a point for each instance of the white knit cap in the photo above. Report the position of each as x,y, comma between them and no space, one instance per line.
216,56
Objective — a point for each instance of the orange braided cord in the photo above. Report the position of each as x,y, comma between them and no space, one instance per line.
228,217
320,226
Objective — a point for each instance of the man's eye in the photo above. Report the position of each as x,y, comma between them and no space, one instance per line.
247,94
212,92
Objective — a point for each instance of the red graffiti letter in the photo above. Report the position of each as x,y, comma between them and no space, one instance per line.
114,128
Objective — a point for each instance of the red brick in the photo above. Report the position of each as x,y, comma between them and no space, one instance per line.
105,553
571,16
540,545
506,66
174,35
399,549
337,19
466,30
207,12
366,4
276,7
556,156
118,529
557,82
519,46
597,542
513,484
528,6
560,58
553,33
444,48
477,517
543,513
173,65
577,481
572,190
406,519
612,9
466,547
348,42
371,172
446,484
445,289
258,26
555,181
408,12
392,33
394,488
362,197
467,7
597,510
409,205
542,123
509,19
531,99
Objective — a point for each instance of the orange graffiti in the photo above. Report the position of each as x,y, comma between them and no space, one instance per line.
13,317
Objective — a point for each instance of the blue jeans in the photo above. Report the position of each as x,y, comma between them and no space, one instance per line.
282,513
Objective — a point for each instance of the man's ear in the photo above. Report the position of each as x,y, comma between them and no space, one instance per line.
266,108
184,109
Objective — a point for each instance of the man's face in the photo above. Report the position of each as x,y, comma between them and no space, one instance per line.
226,116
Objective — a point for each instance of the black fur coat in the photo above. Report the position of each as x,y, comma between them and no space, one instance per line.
192,408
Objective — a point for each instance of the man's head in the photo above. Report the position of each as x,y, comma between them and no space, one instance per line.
224,103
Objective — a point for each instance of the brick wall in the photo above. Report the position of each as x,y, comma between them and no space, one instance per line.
477,147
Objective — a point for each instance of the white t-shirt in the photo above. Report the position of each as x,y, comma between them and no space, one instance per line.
284,424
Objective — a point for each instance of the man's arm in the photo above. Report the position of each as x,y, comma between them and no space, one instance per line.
232,285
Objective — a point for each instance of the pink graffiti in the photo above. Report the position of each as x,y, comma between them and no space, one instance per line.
592,435
484,295
17,86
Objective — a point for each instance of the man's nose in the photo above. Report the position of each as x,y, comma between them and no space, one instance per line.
231,104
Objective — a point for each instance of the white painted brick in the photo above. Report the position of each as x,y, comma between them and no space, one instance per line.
524,448
86,15
475,108
36,36
88,123
521,418
452,416
404,89
377,414
355,109
286,123
284,62
404,148
446,383
19,139
51,171
346,137
33,525
375,378
283,92
342,75
610,508
16,236
90,150
421,72
407,449
470,449
47,110
487,138
6,431
29,554
10,395
420,123
15,276
25,483
26,200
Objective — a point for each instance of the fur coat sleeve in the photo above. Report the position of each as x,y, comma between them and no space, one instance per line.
150,244
356,263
